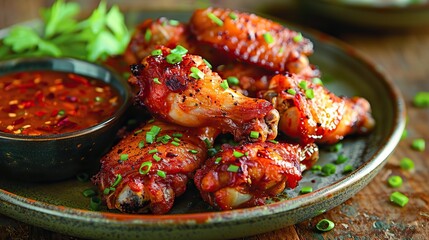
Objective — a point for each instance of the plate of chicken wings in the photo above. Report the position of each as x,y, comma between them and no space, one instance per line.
235,115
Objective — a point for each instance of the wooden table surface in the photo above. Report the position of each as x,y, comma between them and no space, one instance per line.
404,55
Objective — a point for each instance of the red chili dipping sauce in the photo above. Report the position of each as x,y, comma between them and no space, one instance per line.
49,102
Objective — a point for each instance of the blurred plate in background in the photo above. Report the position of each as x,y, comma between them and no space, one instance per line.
374,14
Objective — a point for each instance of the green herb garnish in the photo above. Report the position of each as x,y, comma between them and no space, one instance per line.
102,34
399,199
325,225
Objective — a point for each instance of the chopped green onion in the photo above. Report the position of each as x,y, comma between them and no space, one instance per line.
224,84
317,81
232,168
94,203
306,189
418,144
123,157
237,154
176,139
88,192
156,157
215,19
147,35
233,16
164,139
145,167
138,131
62,112
153,151
298,38
316,168
151,120
291,91
177,135
150,137
117,180
176,54
233,81
217,160
336,147
141,144
399,198
421,99
309,93
347,169
180,50
303,85
325,225
254,134
173,22
193,151
106,191
273,141
329,169
156,52
156,80
406,163
82,177
175,143
161,173
395,181
268,38
196,73
207,142
207,63
155,130
173,58
341,159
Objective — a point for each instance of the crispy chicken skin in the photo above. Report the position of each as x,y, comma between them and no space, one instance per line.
172,93
253,39
141,186
163,33
311,113
246,175
252,79
153,33
253,76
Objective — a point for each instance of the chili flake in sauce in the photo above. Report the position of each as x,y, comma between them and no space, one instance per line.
49,102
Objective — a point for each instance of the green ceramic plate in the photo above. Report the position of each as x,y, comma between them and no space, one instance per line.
384,15
61,207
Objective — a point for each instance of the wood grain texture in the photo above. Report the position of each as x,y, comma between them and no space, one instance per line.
404,56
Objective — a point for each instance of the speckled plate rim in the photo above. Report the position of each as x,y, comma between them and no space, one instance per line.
208,219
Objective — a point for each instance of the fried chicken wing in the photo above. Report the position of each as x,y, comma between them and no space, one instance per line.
253,39
188,93
246,175
251,79
153,33
311,113
151,166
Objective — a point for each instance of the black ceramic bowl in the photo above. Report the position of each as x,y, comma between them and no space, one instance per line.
60,156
